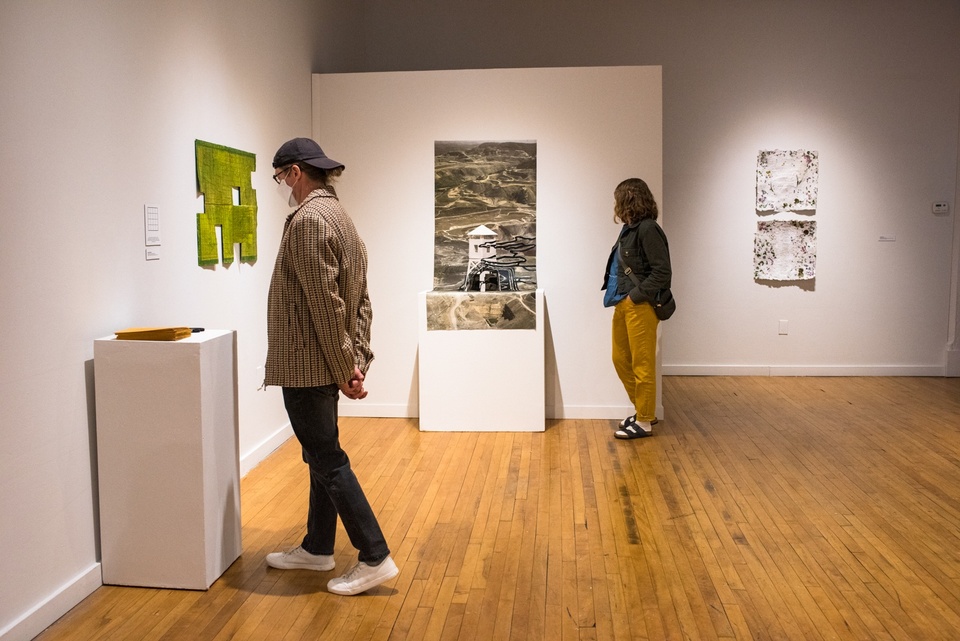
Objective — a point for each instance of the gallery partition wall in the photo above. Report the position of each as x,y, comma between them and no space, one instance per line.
592,128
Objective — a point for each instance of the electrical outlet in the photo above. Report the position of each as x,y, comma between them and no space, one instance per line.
941,208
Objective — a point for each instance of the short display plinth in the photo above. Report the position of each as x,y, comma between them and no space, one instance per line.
481,380
168,459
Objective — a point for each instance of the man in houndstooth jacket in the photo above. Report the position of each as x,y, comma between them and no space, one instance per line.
318,346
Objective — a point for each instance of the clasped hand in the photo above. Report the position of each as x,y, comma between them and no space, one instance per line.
354,387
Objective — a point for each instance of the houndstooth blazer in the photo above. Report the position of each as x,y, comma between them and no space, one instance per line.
318,309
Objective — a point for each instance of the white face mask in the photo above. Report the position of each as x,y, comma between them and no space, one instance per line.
286,192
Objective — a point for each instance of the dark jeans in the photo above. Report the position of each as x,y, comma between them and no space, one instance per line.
334,489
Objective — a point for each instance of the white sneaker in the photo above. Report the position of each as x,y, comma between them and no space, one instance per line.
300,559
362,577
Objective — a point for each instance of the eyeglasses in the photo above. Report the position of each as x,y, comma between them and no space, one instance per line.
277,176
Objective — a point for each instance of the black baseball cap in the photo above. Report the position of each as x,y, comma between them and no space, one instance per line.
304,150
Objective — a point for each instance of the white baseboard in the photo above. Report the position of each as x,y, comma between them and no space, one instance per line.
803,370
593,412
347,407
953,363
715,370
569,411
589,411
61,601
264,449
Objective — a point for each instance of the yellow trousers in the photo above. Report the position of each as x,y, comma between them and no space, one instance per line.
635,354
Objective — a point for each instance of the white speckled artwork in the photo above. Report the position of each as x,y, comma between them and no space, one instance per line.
785,250
787,180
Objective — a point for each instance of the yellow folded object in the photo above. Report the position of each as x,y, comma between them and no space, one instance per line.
153,333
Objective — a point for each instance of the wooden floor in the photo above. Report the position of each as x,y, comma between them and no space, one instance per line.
763,508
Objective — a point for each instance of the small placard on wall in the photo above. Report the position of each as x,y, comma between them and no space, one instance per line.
151,225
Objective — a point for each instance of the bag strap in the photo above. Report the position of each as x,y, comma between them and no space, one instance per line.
626,268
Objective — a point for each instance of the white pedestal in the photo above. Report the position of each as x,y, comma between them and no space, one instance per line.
168,459
482,380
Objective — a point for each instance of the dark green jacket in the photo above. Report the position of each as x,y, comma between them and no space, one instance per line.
644,248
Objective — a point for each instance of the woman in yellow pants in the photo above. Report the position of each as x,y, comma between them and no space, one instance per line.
637,270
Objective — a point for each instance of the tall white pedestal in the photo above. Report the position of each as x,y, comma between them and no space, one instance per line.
482,380
168,459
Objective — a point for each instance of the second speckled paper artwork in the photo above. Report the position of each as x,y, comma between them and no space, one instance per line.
785,250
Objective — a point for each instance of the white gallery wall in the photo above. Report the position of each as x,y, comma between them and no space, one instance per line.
101,104
383,126
874,87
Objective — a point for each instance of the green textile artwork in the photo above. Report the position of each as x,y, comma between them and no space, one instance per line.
229,202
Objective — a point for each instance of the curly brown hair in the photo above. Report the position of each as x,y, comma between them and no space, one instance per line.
633,202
